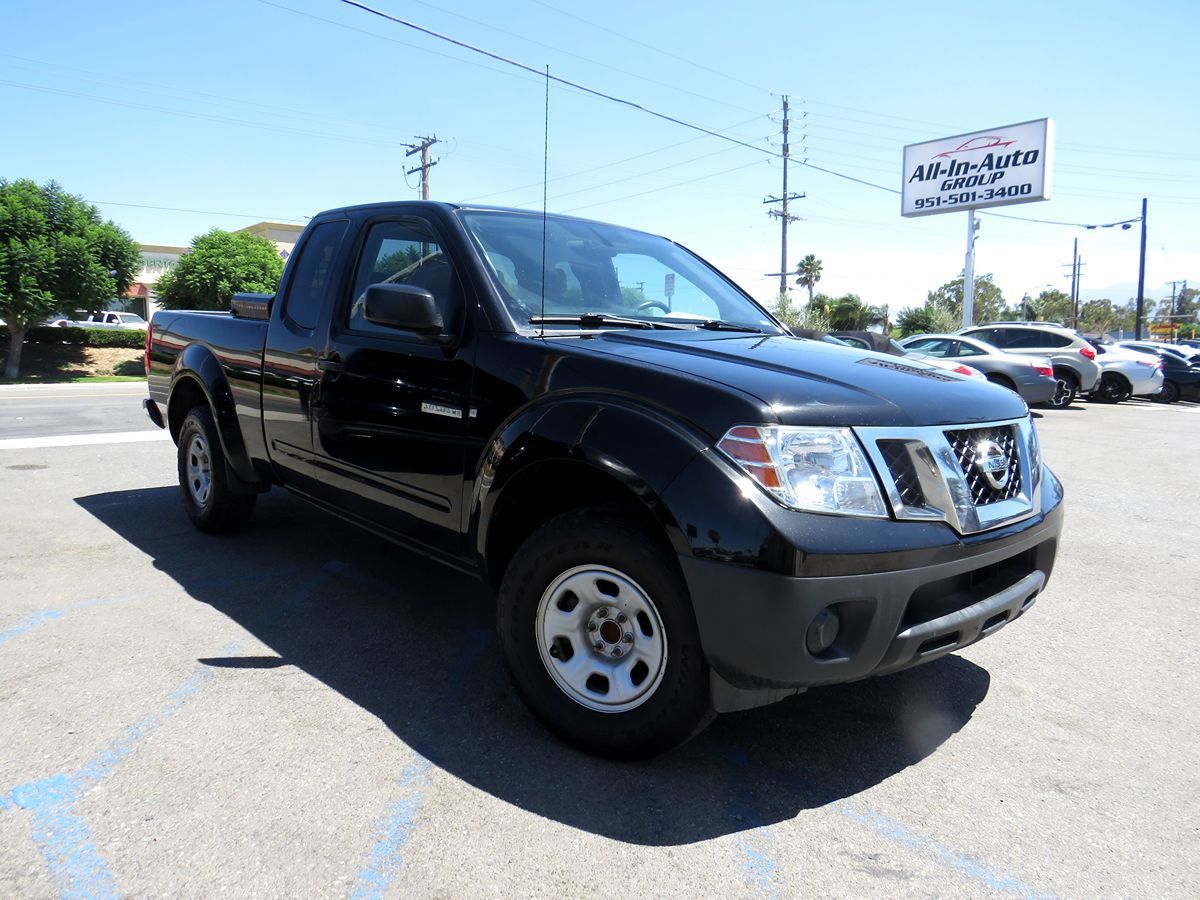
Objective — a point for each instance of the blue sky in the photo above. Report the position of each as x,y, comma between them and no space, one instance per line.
250,109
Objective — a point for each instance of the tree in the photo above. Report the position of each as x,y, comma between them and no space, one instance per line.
850,313
927,320
1048,306
219,265
1100,317
806,317
989,301
56,255
808,273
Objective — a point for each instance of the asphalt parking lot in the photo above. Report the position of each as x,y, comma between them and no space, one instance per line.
304,710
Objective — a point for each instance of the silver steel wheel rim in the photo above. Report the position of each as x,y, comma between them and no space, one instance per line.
199,470
1062,390
601,639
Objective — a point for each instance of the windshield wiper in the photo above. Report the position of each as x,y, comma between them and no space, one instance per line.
602,320
718,325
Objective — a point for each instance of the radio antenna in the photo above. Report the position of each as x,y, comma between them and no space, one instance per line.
545,181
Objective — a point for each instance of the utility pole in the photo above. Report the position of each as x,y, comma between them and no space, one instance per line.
426,165
782,214
969,271
1171,317
1141,297
1173,285
1076,265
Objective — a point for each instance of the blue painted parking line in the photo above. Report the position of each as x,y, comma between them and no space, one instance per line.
59,832
969,868
36,620
392,834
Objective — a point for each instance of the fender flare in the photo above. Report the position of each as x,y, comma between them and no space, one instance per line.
641,447
198,365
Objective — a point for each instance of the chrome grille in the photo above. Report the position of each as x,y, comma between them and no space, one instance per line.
900,465
929,473
966,446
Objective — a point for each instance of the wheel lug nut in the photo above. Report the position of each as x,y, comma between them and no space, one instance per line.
592,626
628,638
622,618
599,645
602,612
616,651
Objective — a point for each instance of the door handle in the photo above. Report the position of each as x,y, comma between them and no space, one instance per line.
333,364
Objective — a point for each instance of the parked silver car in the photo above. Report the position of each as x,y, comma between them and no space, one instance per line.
1074,359
1124,373
1029,376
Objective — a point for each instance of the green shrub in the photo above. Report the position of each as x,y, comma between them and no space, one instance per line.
83,337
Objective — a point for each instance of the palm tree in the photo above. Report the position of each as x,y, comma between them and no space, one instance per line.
808,273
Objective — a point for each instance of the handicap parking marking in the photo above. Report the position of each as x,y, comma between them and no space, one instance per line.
58,830
37,619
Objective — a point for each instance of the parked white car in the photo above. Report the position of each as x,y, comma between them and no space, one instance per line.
1124,373
126,320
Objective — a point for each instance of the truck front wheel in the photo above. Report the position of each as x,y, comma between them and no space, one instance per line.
211,504
598,632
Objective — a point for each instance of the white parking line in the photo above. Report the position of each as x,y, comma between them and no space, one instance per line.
84,440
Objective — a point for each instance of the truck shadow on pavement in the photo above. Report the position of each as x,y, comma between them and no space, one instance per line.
413,643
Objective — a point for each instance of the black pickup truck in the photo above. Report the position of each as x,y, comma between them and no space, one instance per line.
681,507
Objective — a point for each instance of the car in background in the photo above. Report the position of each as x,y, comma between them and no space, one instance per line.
1189,355
881,343
1191,342
1124,373
1030,376
1072,358
57,322
1181,379
126,320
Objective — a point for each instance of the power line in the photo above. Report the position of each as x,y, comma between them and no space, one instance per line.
592,169
657,48
206,212
560,49
809,165
563,81
665,187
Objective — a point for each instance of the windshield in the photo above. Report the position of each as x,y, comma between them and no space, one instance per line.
595,268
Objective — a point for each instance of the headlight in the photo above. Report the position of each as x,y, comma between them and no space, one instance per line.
815,469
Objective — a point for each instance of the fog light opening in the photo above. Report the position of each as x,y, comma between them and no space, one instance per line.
822,631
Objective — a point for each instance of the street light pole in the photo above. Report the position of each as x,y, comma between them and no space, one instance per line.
1141,297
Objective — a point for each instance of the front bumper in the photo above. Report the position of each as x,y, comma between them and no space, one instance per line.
755,625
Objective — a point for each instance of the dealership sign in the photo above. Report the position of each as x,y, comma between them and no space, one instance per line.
985,168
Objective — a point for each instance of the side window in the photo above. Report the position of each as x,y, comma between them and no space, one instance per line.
932,347
1053,339
402,253
993,336
312,282
965,349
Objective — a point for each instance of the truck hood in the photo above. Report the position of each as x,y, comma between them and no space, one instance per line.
803,382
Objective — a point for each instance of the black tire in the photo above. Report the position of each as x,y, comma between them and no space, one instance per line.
616,566
1065,389
204,488
1168,394
1112,389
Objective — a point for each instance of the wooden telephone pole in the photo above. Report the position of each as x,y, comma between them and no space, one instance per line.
782,214
426,165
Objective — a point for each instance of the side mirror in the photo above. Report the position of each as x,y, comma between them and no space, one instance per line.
407,307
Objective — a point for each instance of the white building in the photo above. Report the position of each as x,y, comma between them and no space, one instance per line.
160,258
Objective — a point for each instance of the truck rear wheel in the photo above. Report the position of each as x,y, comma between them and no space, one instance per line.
598,632
204,488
